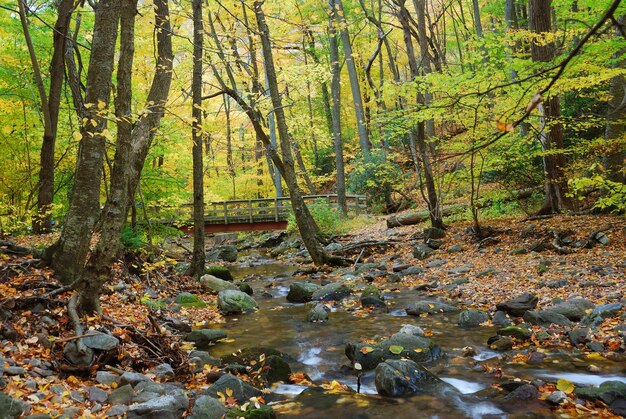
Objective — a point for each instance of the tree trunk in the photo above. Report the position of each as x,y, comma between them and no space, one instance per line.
130,155
613,160
69,253
355,86
309,230
197,262
551,134
335,91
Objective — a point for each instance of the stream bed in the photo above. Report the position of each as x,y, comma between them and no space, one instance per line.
318,351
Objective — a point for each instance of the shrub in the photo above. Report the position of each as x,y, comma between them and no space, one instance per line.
327,218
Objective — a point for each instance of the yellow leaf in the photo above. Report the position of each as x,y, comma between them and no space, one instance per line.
565,386
77,135
101,105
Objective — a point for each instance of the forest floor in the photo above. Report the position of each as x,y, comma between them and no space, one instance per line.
558,259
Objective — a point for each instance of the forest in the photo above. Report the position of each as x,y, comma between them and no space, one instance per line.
362,208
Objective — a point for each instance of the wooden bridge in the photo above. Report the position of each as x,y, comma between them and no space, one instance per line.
253,214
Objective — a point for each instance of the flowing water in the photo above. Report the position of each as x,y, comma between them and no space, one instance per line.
319,352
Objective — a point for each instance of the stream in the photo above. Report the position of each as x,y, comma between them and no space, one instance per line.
319,351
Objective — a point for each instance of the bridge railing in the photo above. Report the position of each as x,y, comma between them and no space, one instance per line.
254,210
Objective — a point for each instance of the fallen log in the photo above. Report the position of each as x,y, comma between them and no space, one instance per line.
416,217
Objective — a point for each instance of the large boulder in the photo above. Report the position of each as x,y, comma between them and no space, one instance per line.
241,391
215,284
399,377
472,318
235,302
519,305
171,406
332,292
205,337
301,292
227,253
546,317
608,392
430,307
219,271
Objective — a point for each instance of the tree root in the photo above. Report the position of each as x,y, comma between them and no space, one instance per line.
79,329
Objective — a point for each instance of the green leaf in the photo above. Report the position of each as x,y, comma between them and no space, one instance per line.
396,349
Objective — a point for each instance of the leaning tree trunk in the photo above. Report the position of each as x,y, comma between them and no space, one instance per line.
551,134
70,252
197,261
131,152
309,230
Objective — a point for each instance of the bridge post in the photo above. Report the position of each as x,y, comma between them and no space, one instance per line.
225,212
250,209
276,209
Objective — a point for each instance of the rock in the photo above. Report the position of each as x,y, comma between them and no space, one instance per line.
472,318
162,371
523,392
202,338
460,270
241,391
220,272
501,343
608,392
422,251
121,395
254,354
232,301
101,341
516,332
11,408
15,371
574,309
117,411
400,345
107,378
332,292
501,319
319,313
519,305
546,317
245,287
97,395
398,267
164,407
301,292
606,310
38,416
433,244
226,252
455,248
595,346
202,358
578,336
133,378
434,233
556,398
208,408
535,358
601,238
413,270
409,329
276,369
430,307
559,283
215,284
187,299
372,302
396,378
74,356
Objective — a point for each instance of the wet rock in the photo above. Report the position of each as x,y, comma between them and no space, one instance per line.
500,343
162,371
276,369
319,313
409,329
501,319
107,378
578,336
372,297
608,392
535,358
595,346
220,272
472,318
255,353
11,408
546,318
396,378
208,408
422,251
519,305
332,292
164,407
573,309
241,391
245,287
187,299
430,307
203,338
214,284
301,292
523,392
515,332
232,301
434,233
121,395
227,253
557,398
74,356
